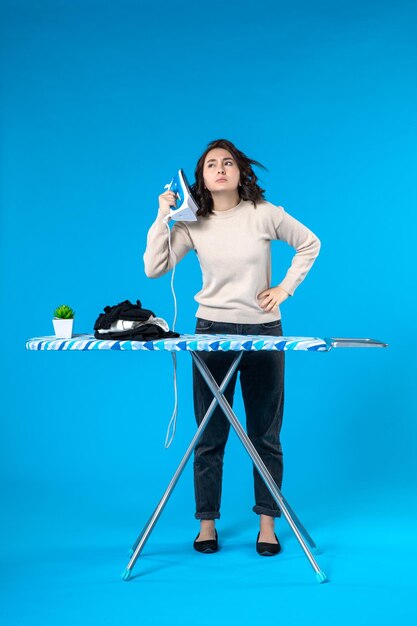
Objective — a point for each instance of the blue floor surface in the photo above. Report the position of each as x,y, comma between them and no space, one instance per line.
64,570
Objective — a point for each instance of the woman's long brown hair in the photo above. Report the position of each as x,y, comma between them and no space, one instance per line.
249,190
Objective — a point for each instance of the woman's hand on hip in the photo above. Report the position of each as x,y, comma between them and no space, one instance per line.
271,298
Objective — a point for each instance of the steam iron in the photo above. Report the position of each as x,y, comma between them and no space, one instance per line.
186,212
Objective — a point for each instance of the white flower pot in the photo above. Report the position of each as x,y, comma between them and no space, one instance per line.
63,328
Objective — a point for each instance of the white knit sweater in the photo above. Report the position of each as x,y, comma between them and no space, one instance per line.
233,248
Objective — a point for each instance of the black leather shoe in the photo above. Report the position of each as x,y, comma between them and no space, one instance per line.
208,546
267,549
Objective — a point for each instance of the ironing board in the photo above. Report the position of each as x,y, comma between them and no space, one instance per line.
193,344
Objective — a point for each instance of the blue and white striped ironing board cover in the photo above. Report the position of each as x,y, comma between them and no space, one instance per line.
194,342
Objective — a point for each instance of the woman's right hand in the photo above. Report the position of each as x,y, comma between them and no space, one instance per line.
167,200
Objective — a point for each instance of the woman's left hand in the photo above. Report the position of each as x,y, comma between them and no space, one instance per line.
272,297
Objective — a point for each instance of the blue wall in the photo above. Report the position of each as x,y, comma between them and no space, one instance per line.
102,102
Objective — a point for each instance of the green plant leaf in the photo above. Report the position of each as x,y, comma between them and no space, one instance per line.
64,312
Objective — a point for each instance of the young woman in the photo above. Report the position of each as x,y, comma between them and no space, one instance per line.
231,239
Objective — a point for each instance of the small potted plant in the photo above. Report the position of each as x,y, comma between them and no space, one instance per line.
63,321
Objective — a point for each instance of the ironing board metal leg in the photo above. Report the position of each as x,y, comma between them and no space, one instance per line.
314,547
144,535
259,464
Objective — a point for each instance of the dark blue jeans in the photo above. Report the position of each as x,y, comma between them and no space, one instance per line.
262,385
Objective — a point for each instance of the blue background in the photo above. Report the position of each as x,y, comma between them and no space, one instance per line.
101,103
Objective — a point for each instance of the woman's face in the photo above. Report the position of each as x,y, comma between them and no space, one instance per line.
220,171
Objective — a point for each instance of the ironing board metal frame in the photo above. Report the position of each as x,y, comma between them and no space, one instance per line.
219,398
87,342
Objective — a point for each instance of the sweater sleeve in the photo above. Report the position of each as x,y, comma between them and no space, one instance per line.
306,244
157,258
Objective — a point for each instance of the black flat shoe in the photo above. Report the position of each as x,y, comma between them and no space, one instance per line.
208,546
267,549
